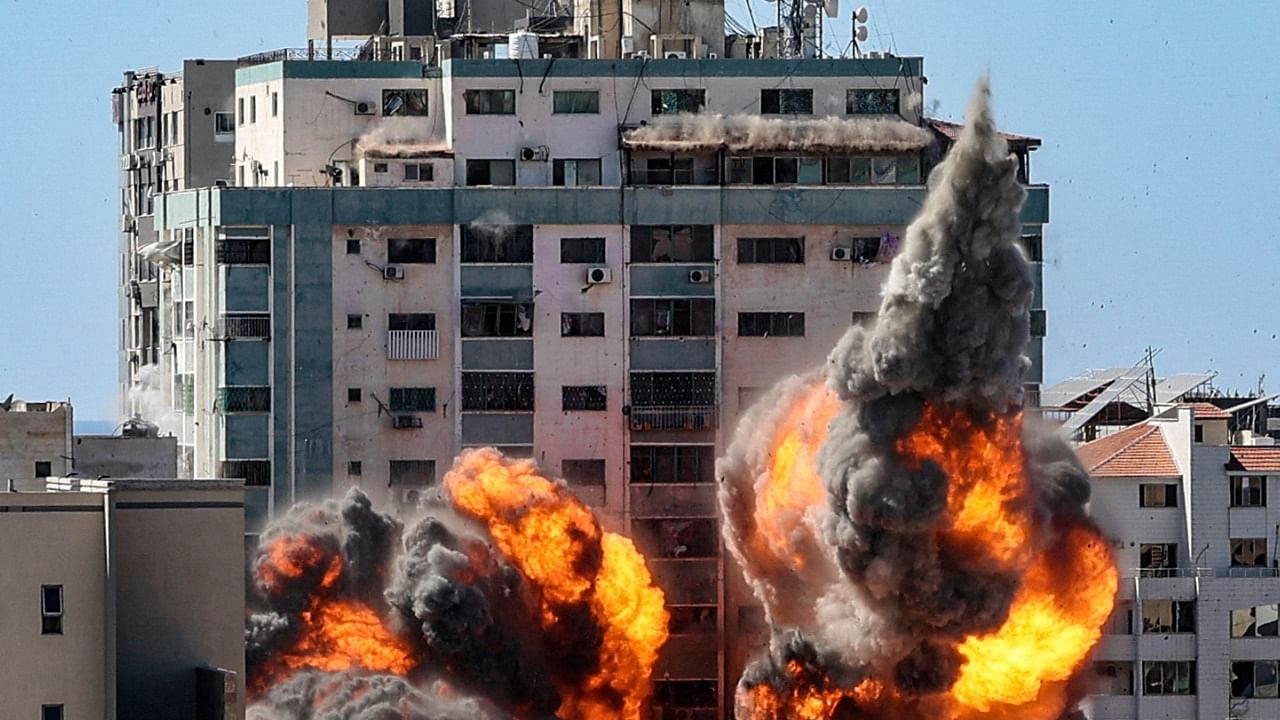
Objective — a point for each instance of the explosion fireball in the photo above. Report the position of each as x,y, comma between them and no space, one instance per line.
920,550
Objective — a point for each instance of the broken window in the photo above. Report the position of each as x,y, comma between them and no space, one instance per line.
771,250
1121,620
740,170
412,399
673,389
244,398
669,170
255,473
575,102
499,391
1158,557
583,471
582,324
685,464
497,243
243,251
1168,616
584,397
496,319
1249,491
403,103
696,620
411,473
672,243
411,321
771,324
490,102
1259,621
417,172
673,317
668,102
884,170
491,172
848,170
1169,677
411,250
786,101
572,173
872,101
680,538
589,250
1158,495
1248,552
865,249
1113,678
1033,246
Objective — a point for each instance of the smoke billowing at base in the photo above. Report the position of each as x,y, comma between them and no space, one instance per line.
505,599
919,547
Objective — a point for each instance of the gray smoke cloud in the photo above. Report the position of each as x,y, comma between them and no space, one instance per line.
879,592
690,132
315,695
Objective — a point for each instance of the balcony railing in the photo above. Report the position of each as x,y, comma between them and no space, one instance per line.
673,417
1203,572
413,345
245,326
244,398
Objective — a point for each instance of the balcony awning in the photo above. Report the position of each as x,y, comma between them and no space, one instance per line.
708,132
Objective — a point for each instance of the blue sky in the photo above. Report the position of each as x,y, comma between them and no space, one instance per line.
1159,144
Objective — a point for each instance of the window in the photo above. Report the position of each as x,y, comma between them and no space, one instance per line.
490,102
240,111
864,249
354,395
412,473
686,693
771,250
673,389
668,170
51,609
877,170
1198,433
1259,621
381,167
1039,320
244,251
509,391
253,108
849,171
1169,677
354,321
404,103
1248,552
691,464
1254,679
872,102
673,317
1113,678
497,243
695,620
1158,495
355,467
1121,620
581,324
1033,246
275,104
571,173
771,324
413,399
51,712
679,538
1250,491
491,172
588,250
255,473
416,172
224,123
1158,557
672,243
44,468
668,102
575,101
583,472
1168,616
786,101
411,250
243,398
353,247
496,319
411,321
584,397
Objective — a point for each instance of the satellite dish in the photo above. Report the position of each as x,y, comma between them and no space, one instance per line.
832,7
862,33
860,14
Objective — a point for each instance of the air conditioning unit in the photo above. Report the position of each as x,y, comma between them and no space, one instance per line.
712,56
676,55
699,277
531,154
405,422
640,54
364,108
599,275
393,272
409,497
843,254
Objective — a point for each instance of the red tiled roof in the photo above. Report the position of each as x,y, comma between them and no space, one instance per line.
1255,459
1138,451
1209,411
952,131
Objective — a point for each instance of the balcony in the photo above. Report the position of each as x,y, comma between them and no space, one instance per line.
245,326
413,345
673,417
244,398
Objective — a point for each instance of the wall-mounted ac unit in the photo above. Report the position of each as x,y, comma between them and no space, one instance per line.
676,55
393,272
599,275
364,108
405,422
409,497
532,154
699,277
841,253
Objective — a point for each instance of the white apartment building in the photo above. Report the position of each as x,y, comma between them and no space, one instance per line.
1195,527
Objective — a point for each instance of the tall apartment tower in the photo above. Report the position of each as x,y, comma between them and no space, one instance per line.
597,263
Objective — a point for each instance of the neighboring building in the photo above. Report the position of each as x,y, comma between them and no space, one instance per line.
133,605
35,442
1194,521
126,456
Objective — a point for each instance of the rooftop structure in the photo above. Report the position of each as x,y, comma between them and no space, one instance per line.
35,441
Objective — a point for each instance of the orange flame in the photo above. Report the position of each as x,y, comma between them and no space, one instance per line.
551,538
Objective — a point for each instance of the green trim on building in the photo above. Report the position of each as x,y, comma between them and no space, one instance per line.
686,69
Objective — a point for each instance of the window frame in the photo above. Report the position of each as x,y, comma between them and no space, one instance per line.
1242,495
411,399
1158,495
407,108
774,101
771,324
572,324
583,251
411,251
479,245
685,317
574,95
474,175
495,319
694,100
584,398
51,618
473,105
643,246
516,391
853,104
771,250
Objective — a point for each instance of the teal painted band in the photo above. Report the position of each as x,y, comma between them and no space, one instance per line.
687,69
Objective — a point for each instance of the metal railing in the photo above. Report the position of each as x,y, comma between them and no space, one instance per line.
243,398
673,417
251,326
1203,572
317,53
413,345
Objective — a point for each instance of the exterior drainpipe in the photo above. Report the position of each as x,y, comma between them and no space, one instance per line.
109,606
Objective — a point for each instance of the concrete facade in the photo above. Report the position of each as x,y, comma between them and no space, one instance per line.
138,588
115,456
35,442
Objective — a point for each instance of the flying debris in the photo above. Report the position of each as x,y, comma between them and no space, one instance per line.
919,546
505,599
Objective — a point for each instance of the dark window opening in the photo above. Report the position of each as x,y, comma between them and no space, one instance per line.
583,471
672,243
572,173
679,538
354,395
670,170
51,712
353,247
1168,616
51,609
1169,677
1039,322
1158,495
673,317
411,250
354,321
1033,245
575,101
491,172
692,620
497,391
668,102
865,249
872,102
44,469
1250,491
686,693
1158,556
244,251
588,250
678,389
412,399
582,324
411,321
786,101
496,319
771,250
255,473
584,398
355,467
771,324
412,473
490,102
1249,552
497,243
419,172
404,103
689,464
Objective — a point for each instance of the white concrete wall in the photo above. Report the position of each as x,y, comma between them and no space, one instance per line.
31,436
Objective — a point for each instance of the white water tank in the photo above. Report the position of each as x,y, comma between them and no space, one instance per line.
522,46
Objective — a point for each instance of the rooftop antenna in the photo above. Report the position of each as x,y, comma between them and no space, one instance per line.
859,29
